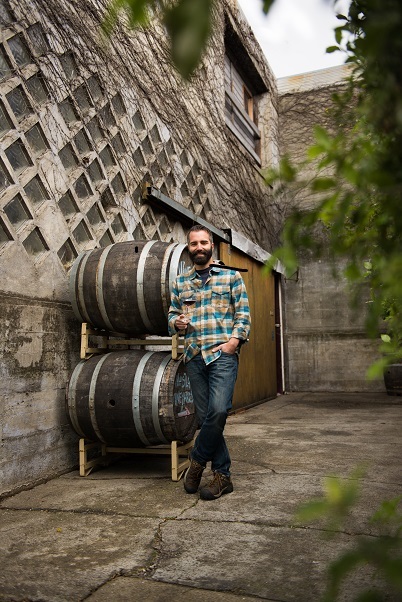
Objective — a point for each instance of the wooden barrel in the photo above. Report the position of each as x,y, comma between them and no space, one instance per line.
126,287
131,399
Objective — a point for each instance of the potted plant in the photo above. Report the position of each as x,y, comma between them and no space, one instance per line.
392,349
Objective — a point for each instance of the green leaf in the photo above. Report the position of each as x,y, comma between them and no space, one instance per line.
332,49
320,184
189,25
386,338
266,5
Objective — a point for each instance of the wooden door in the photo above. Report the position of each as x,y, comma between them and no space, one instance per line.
257,379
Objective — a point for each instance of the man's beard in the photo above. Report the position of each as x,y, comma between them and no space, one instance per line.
200,257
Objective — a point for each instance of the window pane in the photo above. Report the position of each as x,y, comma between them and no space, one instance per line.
118,105
17,211
6,17
5,68
138,158
82,99
18,157
107,157
106,239
118,225
37,88
154,133
68,111
35,191
69,65
82,188
94,129
20,51
94,88
81,233
95,171
138,121
37,140
107,199
5,179
19,103
118,145
34,244
67,205
82,143
5,121
68,157
4,235
95,216
67,254
107,117
118,185
37,38
147,146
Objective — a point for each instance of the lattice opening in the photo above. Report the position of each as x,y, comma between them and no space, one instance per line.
35,244
37,88
5,122
17,212
106,239
37,140
35,191
18,157
68,206
68,158
82,234
5,235
20,51
67,254
19,103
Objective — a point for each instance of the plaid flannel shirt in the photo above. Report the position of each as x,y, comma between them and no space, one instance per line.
221,311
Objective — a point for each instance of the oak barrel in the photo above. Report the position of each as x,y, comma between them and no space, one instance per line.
131,398
126,287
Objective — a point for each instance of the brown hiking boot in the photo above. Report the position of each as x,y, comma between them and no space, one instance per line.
219,485
192,477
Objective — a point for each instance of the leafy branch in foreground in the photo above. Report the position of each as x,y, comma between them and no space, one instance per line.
357,191
382,552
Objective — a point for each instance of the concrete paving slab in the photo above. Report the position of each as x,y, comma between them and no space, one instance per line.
150,498
273,500
63,556
123,589
127,532
255,560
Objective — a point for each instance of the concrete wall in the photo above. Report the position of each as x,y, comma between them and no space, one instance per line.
84,124
326,345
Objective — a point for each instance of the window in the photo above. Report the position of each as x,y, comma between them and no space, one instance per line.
243,83
239,108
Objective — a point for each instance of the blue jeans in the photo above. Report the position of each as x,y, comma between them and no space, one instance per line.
212,386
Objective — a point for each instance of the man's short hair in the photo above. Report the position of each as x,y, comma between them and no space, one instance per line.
200,228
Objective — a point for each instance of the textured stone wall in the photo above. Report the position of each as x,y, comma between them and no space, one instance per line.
85,122
326,345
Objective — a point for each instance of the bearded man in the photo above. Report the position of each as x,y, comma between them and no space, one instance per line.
209,303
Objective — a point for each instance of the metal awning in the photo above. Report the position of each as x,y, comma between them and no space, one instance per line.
154,196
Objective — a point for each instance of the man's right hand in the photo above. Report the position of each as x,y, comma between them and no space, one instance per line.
181,322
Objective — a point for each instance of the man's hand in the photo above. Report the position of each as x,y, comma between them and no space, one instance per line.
229,347
181,322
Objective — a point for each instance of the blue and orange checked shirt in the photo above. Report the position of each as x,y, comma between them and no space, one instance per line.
220,311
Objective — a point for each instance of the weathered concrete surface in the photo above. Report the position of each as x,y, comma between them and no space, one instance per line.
127,532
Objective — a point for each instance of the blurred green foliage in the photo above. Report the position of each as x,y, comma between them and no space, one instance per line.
188,23
382,552
359,199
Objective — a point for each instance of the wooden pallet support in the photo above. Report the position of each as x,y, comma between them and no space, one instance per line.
108,340
179,453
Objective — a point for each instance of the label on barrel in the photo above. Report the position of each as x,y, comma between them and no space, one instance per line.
183,397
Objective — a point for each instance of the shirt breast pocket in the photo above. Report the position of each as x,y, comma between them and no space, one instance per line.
220,299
